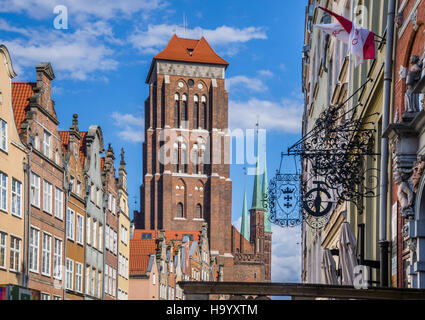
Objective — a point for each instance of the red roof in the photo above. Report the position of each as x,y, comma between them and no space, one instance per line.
169,234
21,94
190,50
102,163
83,147
65,139
140,252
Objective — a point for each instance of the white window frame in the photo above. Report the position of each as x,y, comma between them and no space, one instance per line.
3,135
35,189
59,203
16,206
78,277
46,254
114,206
57,259
3,191
44,296
88,269
47,151
106,279
94,233
3,248
110,280
99,284
69,274
80,229
47,196
115,243
107,237
114,282
34,249
13,251
70,224
88,230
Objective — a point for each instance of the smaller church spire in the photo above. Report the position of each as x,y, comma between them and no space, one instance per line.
245,221
267,224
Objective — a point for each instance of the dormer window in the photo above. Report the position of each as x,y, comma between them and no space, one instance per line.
190,51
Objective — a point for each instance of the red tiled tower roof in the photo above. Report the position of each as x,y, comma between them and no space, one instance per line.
190,50
83,147
21,94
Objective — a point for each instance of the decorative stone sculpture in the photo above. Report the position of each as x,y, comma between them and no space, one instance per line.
404,193
418,169
414,75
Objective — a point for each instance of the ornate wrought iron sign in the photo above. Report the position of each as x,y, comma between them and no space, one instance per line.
334,155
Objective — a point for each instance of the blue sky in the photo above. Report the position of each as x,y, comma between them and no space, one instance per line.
102,59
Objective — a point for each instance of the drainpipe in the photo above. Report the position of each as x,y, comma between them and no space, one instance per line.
68,188
383,242
27,230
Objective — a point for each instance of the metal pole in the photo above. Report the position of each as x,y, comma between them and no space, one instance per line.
383,242
28,220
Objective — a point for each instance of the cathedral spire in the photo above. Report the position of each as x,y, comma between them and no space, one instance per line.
245,221
257,197
267,225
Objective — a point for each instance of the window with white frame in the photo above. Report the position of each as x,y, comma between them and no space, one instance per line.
110,281
37,142
154,279
72,183
35,190
87,279
15,254
78,277
3,135
34,249
44,296
99,284
69,274
114,282
100,239
47,196
92,193
98,197
92,281
106,279
16,198
3,191
107,237
57,298
126,268
88,233
58,203
3,249
78,191
114,206
94,233
57,259
46,254
110,201
47,142
80,229
115,242
111,239
70,224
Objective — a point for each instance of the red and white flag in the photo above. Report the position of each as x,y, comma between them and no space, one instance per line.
361,41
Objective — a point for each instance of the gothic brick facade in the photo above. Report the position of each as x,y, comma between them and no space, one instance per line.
186,175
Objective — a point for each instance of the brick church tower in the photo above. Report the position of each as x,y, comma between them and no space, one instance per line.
185,180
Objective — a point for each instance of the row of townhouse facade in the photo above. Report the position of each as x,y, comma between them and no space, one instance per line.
64,218
388,227
161,259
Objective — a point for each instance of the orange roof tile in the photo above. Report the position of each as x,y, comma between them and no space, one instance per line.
83,148
64,138
102,163
138,264
190,50
21,93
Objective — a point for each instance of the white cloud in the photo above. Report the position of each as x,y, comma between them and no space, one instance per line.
40,9
243,82
286,254
131,126
265,73
284,116
76,55
156,37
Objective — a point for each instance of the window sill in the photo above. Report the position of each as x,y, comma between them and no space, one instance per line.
59,218
34,271
46,275
4,211
14,271
35,206
180,219
47,212
17,216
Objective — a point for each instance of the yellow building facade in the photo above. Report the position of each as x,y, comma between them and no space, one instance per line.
12,182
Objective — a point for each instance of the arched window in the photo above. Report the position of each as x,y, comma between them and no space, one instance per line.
195,159
180,210
184,157
176,157
177,111
184,111
203,155
204,112
198,211
195,112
